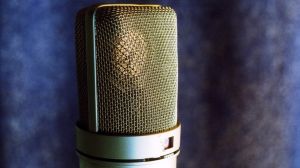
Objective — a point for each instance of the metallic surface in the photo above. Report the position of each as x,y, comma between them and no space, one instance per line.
82,67
144,147
136,69
135,54
128,73
169,162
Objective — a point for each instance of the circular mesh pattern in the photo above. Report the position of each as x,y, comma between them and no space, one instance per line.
136,51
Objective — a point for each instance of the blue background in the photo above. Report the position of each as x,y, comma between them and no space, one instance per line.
239,88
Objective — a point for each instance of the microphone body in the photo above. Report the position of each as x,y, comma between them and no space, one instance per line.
127,79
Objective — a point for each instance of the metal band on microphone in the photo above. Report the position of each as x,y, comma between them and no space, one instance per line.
128,148
169,162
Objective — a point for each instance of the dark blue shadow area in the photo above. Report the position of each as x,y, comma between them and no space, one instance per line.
2,111
239,83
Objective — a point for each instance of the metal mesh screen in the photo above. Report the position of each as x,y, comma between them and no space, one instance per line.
136,60
136,69
81,68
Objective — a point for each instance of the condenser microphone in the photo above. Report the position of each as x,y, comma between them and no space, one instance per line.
127,69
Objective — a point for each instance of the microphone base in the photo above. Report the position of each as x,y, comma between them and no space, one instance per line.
158,150
170,162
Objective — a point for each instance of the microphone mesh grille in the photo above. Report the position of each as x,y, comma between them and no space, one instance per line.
81,68
136,69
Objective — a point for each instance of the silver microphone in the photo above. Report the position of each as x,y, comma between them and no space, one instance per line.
127,70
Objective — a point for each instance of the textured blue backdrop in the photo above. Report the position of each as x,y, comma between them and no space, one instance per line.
239,89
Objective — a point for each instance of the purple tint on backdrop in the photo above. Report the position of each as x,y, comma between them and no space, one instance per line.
239,87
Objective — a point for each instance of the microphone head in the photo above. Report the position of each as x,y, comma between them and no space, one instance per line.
127,69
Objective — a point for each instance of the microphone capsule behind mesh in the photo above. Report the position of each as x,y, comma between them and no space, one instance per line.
127,79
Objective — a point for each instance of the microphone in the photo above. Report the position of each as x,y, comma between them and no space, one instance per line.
127,70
